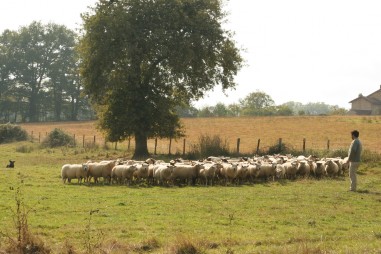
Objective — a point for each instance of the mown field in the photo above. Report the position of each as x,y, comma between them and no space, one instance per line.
316,130
301,216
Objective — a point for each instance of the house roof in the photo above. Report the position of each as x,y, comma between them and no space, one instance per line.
368,98
371,100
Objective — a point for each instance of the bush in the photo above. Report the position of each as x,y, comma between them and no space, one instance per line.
277,149
209,146
24,149
11,133
57,138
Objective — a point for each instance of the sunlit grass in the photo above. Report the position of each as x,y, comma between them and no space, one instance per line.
302,216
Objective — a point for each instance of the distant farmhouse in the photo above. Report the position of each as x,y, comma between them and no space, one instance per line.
367,105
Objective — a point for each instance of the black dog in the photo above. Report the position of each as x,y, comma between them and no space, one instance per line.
11,164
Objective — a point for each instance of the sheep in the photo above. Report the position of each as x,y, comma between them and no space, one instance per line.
242,172
162,173
100,169
280,171
331,168
141,171
71,171
320,168
208,172
345,165
304,168
229,171
313,167
187,173
290,168
252,171
267,170
123,173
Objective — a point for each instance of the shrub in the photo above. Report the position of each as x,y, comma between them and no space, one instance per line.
209,146
277,149
24,149
370,157
184,246
11,133
57,138
26,241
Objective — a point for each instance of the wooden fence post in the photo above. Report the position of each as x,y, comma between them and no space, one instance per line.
304,145
238,143
83,141
74,139
184,147
31,136
39,137
170,144
116,145
94,139
259,142
280,145
155,146
328,144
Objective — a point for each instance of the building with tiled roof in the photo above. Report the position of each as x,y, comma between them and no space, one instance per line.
367,105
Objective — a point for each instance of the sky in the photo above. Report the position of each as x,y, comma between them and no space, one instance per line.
326,51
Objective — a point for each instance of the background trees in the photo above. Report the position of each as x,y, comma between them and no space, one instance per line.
143,59
39,73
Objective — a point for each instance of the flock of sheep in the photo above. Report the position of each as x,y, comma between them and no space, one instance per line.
213,170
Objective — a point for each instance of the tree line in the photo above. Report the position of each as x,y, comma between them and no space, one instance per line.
40,81
39,77
260,104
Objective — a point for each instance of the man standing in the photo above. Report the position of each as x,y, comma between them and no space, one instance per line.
354,155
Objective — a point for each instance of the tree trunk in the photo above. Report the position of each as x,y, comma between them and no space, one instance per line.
74,109
141,149
33,117
57,104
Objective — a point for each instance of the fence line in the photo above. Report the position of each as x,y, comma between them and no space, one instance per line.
184,146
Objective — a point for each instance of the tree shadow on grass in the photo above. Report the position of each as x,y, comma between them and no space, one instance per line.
376,193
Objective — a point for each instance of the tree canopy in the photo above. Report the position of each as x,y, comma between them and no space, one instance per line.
143,58
39,71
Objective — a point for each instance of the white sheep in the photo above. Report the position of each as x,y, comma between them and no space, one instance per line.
229,171
162,173
71,171
290,168
320,168
100,169
141,171
267,170
186,173
280,171
242,172
345,165
304,168
208,172
331,168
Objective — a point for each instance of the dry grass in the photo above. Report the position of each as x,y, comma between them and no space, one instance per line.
317,130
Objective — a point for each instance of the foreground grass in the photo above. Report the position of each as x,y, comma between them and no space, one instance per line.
303,216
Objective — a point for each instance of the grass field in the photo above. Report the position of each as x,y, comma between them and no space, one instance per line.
302,216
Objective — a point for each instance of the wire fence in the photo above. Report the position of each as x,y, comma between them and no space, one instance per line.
184,146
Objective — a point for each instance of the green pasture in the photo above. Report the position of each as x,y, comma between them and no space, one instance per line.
302,216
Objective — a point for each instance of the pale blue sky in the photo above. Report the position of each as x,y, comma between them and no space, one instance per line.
296,50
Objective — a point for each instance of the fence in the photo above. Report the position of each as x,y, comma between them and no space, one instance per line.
183,146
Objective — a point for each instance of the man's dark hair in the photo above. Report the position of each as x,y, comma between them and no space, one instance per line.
355,133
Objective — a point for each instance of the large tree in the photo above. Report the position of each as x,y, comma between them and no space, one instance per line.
143,58
257,103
